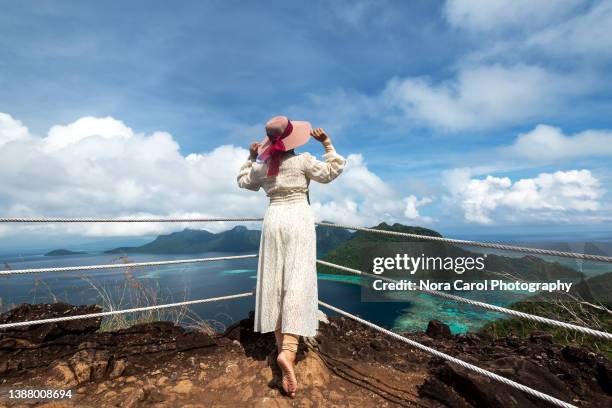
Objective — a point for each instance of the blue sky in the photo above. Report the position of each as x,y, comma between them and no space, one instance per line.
428,98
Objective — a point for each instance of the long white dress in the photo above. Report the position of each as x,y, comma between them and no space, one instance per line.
286,292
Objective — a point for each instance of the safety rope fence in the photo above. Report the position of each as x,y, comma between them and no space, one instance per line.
511,312
492,245
131,219
123,311
397,336
122,265
481,244
452,359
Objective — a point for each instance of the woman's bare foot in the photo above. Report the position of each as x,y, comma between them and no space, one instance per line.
285,361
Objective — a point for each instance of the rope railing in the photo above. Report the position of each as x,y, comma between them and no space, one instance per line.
122,265
452,359
132,219
123,311
413,343
500,309
493,245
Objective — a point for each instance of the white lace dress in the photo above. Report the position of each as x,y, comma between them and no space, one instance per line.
286,293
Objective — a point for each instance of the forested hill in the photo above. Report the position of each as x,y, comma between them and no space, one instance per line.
191,241
354,252
238,239
345,248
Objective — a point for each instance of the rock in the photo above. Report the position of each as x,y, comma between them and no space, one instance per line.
575,354
335,396
346,364
478,390
183,387
438,330
132,400
245,392
117,370
377,345
82,372
89,364
61,376
45,332
220,382
232,369
436,390
58,404
312,371
538,336
272,403
604,376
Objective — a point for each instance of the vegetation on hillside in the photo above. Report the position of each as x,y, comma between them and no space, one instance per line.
355,252
588,304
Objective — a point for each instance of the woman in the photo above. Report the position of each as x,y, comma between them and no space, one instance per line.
286,295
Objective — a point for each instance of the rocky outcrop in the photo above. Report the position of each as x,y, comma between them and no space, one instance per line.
75,352
346,364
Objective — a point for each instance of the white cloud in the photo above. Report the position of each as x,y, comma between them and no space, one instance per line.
482,96
412,206
107,128
100,167
585,34
561,196
360,197
548,143
11,129
498,15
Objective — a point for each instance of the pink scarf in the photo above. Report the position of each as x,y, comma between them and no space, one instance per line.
273,153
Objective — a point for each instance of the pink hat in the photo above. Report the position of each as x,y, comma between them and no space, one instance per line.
296,137
282,135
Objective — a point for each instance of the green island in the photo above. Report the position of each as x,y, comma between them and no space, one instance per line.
64,252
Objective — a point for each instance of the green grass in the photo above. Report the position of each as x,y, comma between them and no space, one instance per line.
570,312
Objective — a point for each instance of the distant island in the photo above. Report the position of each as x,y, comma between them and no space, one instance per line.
351,253
343,247
63,252
238,239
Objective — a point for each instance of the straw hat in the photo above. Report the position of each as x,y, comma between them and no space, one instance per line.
293,133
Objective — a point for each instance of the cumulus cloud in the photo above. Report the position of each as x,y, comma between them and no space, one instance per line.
496,15
361,197
101,167
11,129
548,143
553,197
482,96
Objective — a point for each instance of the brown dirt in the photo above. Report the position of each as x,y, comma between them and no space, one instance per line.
346,364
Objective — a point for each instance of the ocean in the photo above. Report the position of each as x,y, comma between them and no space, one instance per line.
124,288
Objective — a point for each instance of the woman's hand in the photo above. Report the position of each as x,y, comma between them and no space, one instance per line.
253,150
320,135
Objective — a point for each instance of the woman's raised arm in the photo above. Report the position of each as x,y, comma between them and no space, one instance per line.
248,176
333,164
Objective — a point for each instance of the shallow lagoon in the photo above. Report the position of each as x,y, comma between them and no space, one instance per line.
406,311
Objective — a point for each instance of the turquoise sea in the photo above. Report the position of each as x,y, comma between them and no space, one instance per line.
406,311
